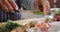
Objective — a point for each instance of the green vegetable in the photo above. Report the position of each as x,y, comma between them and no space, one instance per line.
37,12
9,26
57,12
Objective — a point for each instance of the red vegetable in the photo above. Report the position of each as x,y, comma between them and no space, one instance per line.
58,18
43,26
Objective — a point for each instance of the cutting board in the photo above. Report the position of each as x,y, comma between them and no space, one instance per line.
25,23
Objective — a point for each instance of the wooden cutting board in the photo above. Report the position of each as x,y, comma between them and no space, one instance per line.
25,23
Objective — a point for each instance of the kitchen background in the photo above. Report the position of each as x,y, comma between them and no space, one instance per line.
29,5
54,3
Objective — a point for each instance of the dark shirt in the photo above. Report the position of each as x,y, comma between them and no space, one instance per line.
19,2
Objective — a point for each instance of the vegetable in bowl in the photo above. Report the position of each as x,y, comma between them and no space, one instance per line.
57,15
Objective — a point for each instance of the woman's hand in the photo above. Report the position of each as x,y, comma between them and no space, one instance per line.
8,5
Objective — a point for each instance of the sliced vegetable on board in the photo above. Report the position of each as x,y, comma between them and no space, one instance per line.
9,26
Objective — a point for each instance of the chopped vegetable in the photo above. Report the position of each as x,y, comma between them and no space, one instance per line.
43,26
37,12
9,26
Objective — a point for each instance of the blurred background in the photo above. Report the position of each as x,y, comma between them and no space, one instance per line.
28,6
54,3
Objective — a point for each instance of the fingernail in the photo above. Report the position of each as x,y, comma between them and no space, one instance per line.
16,8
